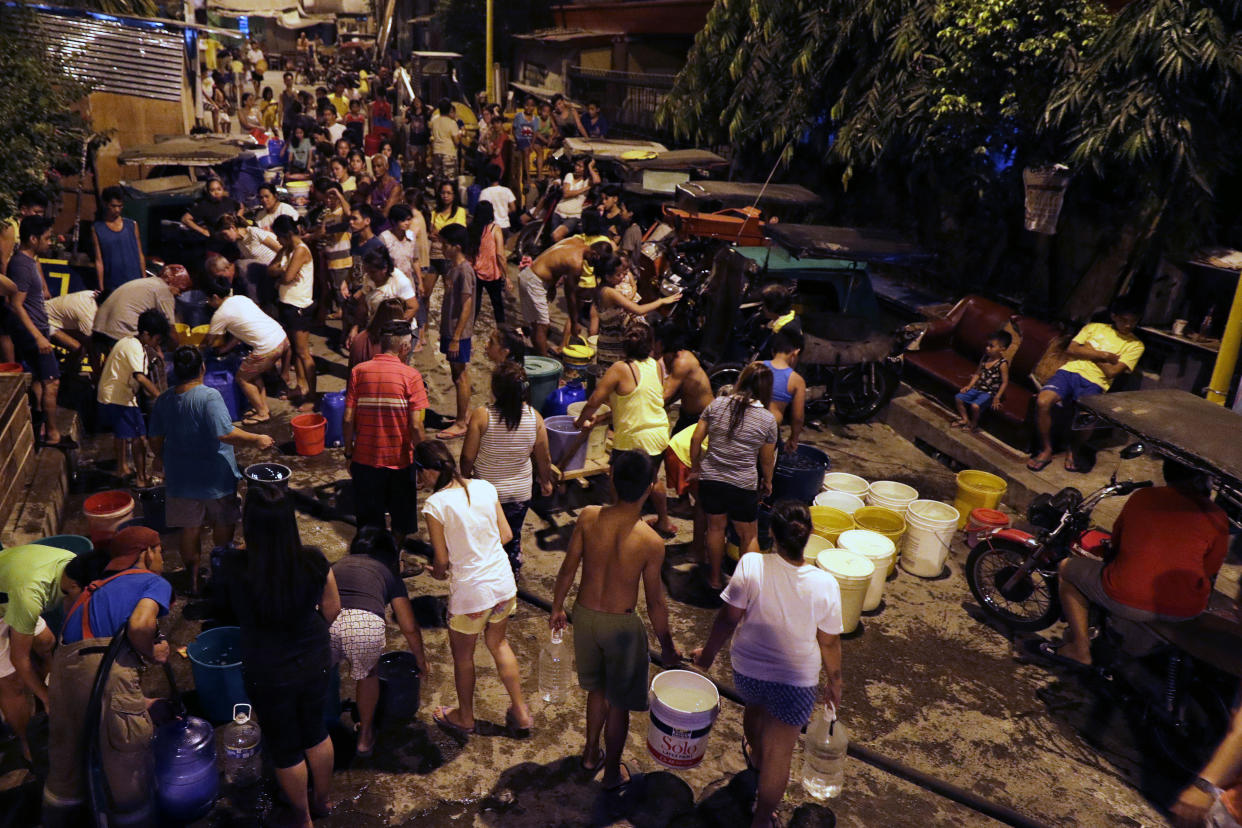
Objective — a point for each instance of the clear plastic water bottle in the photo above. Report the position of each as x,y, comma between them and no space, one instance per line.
823,754
554,669
239,744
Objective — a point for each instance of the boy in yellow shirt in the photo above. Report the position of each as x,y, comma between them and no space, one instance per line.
1098,354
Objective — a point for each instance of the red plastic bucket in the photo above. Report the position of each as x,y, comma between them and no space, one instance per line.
10,368
677,476
983,521
308,433
105,512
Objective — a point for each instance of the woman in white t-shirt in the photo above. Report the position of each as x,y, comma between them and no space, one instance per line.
294,272
787,617
271,207
468,531
574,188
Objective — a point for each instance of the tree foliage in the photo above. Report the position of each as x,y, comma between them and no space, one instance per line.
463,24
40,126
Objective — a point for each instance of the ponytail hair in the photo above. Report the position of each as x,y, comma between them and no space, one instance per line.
791,528
434,455
754,385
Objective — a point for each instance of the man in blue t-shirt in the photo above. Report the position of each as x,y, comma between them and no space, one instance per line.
130,592
192,432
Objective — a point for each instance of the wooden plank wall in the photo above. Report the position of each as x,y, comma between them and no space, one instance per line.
16,442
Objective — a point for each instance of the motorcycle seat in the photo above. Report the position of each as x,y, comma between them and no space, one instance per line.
1214,637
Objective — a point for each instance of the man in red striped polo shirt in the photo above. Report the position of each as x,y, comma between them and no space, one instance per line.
383,422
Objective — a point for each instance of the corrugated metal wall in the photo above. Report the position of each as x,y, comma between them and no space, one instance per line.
112,56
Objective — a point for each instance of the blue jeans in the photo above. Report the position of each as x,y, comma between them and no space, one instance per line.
515,514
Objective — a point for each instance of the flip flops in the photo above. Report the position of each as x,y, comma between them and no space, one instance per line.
514,729
621,786
590,771
1048,650
440,717
1038,465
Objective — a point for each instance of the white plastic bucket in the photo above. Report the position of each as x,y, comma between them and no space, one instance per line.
844,501
930,525
815,546
876,548
853,574
845,482
676,734
597,443
891,495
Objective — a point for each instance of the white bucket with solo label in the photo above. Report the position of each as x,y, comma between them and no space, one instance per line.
684,706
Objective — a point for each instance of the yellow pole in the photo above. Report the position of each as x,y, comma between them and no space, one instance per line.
488,57
1227,358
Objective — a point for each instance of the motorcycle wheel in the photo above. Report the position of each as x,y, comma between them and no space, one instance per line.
1030,606
1189,737
724,373
870,389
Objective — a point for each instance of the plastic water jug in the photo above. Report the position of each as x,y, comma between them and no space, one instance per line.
554,669
558,401
333,410
239,748
823,755
186,778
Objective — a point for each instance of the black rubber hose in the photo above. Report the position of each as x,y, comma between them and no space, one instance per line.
1000,813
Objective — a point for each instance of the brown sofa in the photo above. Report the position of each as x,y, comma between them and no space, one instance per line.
950,350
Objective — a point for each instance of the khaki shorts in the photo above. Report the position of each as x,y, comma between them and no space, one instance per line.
533,296
610,649
256,365
475,622
6,659
183,512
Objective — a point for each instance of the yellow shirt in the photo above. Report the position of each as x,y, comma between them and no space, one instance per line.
638,418
1104,338
586,279
340,103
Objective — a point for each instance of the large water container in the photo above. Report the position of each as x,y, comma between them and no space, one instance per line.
222,380
187,779
559,401
799,475
399,685
543,373
562,433
333,410
215,662
192,308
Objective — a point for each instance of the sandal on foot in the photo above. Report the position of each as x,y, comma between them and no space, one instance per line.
1038,465
440,717
592,770
254,420
1049,650
453,432
515,730
620,786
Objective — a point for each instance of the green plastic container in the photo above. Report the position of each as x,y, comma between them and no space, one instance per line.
544,374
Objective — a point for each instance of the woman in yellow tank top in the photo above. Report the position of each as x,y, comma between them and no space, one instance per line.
634,391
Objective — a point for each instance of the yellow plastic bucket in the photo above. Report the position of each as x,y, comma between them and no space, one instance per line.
185,335
829,523
815,546
886,522
977,490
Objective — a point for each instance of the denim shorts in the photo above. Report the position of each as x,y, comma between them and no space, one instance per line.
1071,387
127,422
973,396
792,705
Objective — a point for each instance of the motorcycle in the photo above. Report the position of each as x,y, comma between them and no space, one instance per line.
1013,575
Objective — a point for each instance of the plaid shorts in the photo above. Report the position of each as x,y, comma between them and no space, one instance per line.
358,636
792,705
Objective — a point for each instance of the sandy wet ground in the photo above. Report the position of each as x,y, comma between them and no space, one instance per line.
925,684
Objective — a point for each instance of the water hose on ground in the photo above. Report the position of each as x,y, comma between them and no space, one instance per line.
1001,813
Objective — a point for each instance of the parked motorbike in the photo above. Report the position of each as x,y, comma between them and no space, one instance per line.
1013,575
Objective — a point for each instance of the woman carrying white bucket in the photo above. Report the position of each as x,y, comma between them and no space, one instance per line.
787,615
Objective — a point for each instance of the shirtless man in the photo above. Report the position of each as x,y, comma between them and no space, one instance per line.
615,547
684,377
537,284
788,387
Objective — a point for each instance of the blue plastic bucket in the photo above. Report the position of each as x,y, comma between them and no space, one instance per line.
559,401
333,410
77,544
799,476
215,662
562,432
